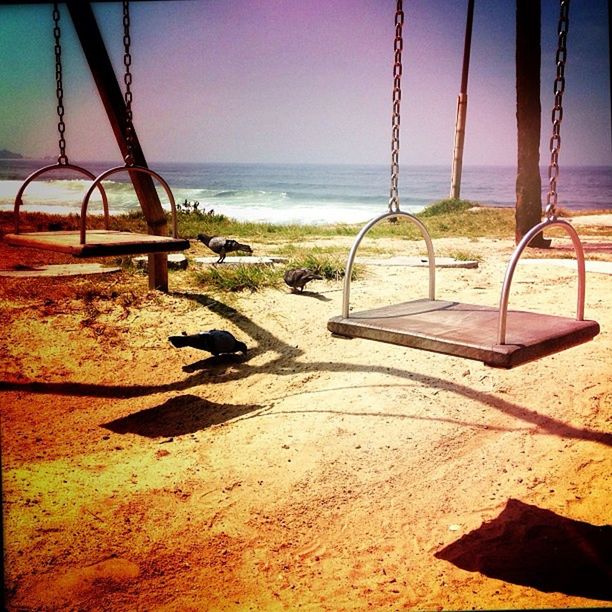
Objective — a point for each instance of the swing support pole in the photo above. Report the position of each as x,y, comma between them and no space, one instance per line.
108,87
462,100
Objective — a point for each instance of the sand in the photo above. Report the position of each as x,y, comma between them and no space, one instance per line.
317,473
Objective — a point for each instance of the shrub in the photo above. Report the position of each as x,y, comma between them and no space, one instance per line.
444,207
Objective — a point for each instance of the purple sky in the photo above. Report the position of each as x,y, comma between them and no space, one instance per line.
303,81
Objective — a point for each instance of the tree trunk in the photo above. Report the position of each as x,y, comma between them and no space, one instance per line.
528,111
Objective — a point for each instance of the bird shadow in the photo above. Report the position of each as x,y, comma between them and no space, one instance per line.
180,415
538,548
312,294
214,362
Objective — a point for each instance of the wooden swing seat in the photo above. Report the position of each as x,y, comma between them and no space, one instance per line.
466,330
498,337
100,243
97,243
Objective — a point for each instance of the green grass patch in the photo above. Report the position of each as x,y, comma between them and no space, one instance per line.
464,256
446,218
239,278
447,207
330,267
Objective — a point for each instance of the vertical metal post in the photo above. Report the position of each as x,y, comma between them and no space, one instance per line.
462,100
110,93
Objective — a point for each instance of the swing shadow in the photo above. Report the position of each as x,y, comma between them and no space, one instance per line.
286,364
538,548
178,416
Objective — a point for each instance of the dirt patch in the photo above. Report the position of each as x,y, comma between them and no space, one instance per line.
317,472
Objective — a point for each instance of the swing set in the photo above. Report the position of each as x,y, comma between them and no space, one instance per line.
85,243
498,337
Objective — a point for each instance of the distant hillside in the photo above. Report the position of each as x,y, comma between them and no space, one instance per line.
6,154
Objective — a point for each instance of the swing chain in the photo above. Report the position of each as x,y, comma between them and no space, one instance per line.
127,79
557,112
395,120
59,87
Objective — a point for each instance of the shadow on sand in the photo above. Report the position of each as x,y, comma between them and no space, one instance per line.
286,362
178,416
537,548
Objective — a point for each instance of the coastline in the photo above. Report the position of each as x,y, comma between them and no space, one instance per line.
301,193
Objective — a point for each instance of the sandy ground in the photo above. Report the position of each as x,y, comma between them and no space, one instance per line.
317,473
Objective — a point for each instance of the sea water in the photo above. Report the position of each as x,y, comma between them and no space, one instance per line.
291,193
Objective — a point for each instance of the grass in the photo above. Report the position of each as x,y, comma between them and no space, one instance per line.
447,218
255,277
329,266
444,207
239,278
463,256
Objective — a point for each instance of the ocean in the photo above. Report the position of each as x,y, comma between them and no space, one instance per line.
304,194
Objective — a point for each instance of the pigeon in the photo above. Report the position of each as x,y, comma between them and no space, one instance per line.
215,341
222,246
296,278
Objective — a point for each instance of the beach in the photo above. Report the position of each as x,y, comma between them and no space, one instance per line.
315,473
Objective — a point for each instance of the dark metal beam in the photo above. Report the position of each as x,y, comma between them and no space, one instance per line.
112,98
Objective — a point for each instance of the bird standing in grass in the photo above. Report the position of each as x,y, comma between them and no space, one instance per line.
215,341
222,246
297,278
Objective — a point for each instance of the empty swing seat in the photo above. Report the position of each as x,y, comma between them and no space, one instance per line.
100,243
498,337
97,243
466,330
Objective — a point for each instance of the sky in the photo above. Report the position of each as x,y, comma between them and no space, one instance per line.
303,81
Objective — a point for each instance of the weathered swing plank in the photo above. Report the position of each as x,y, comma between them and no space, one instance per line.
100,243
466,330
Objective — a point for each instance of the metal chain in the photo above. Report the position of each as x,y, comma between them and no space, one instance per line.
395,120
59,87
127,79
557,112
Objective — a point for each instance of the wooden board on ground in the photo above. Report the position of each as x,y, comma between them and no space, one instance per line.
466,330
420,262
60,270
99,243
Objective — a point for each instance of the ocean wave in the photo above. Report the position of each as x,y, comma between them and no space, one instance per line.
298,194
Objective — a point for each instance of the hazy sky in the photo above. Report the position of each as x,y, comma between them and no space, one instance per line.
303,81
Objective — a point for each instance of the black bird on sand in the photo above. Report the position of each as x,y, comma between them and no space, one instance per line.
296,278
215,341
222,246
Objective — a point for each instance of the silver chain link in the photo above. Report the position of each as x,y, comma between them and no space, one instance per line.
557,112
59,86
395,120
127,79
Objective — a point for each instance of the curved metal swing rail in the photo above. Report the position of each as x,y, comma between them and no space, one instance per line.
516,255
353,252
466,330
129,168
104,243
58,166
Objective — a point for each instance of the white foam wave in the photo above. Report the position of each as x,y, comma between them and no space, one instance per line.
65,197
